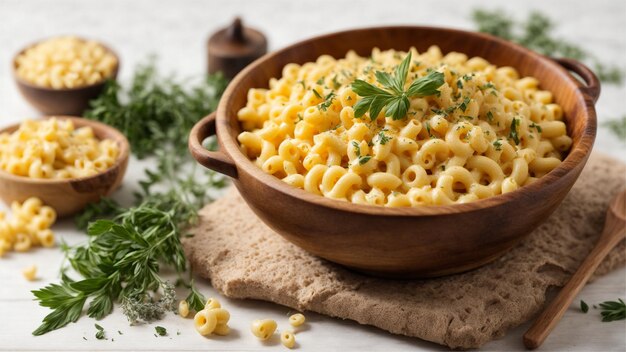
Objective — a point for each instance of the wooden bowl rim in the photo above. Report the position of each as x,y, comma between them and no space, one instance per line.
575,157
78,122
24,82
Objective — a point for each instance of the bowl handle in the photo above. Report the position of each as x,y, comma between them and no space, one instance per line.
214,160
590,78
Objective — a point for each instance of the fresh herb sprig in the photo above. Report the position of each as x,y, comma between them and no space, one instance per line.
154,111
613,310
394,98
536,33
123,258
618,127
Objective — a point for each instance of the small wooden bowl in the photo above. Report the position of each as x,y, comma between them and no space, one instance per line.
69,196
64,101
404,242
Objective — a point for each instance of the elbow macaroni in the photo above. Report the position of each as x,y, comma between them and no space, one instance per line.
28,227
65,62
487,132
54,149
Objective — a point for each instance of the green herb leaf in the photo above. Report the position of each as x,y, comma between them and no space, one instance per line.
195,300
395,100
583,306
160,330
513,133
613,310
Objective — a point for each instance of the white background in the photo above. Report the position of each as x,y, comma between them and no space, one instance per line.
176,31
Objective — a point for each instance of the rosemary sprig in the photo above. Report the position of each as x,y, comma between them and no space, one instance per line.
394,98
536,33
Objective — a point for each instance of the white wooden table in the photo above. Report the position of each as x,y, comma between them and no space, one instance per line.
176,31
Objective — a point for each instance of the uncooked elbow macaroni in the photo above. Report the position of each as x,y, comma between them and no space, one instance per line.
488,131
66,62
54,149
28,226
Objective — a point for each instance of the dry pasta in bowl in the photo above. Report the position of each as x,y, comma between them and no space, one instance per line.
403,129
55,149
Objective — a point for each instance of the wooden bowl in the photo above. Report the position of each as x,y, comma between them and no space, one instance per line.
403,242
63,101
69,196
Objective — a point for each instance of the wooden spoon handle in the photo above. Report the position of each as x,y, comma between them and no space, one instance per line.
547,320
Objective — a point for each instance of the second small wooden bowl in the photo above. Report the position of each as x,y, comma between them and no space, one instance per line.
64,101
69,196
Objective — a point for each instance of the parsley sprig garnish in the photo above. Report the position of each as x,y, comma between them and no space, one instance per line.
394,98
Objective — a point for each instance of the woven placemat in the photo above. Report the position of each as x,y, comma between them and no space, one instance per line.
243,258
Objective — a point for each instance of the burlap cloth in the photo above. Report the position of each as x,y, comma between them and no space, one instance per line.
245,259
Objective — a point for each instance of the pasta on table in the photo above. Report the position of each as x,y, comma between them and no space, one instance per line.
485,131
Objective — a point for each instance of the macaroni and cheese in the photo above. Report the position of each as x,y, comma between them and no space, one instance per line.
485,131
65,62
54,149
29,226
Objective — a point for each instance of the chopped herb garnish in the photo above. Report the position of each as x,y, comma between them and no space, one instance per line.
383,138
459,84
464,103
497,144
535,126
583,306
320,81
328,100
428,128
160,330
317,94
513,134
303,84
488,85
394,98
489,116
357,149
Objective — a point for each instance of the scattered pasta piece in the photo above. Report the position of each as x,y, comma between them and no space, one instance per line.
205,322
183,308
27,227
212,303
263,329
221,329
288,339
66,62
30,273
54,149
297,320
213,319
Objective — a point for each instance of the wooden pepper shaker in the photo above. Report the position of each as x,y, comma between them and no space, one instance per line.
233,48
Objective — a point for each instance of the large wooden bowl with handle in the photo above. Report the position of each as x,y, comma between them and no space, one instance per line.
404,242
